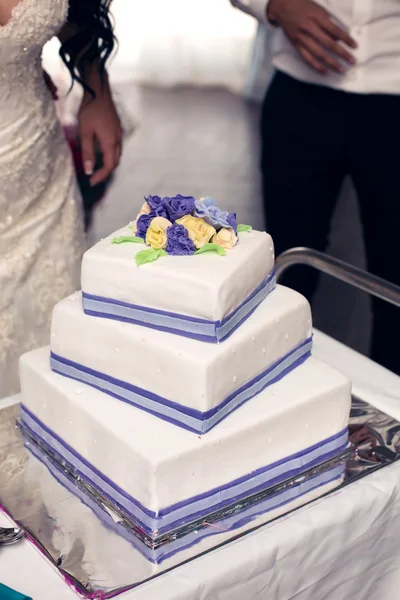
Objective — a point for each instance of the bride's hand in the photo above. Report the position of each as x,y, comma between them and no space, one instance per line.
99,120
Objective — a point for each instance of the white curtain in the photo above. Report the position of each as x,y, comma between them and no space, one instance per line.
182,42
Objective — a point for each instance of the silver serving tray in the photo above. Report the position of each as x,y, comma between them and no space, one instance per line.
95,547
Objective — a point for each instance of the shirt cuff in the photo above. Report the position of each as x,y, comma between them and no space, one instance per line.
256,8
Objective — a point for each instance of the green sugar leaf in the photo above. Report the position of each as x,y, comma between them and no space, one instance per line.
211,248
147,256
242,228
127,238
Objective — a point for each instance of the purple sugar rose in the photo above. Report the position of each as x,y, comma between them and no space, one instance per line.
142,224
202,206
178,241
157,206
209,201
209,211
231,218
179,206
154,201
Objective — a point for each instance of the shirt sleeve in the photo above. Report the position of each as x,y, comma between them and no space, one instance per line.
255,8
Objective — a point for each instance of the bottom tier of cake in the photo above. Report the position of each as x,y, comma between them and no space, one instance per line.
163,477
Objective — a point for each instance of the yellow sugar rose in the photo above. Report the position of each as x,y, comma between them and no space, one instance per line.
156,235
145,210
199,231
226,238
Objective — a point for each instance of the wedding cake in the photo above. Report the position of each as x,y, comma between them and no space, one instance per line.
179,386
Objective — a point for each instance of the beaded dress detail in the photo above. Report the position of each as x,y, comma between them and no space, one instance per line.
41,222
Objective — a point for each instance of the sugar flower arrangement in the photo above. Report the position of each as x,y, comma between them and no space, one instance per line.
182,226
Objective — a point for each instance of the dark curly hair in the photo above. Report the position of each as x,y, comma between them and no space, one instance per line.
92,40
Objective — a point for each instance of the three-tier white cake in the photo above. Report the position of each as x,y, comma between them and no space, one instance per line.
180,381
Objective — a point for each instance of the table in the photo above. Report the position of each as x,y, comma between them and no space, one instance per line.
341,547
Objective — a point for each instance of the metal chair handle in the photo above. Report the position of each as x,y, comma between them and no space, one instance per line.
340,270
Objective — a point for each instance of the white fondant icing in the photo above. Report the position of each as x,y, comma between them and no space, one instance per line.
160,464
193,374
206,286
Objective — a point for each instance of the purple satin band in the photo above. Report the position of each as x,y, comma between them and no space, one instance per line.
163,553
178,414
45,436
175,323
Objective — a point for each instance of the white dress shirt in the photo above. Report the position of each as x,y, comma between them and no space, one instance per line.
375,26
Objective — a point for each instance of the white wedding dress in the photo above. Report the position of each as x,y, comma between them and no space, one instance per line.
41,225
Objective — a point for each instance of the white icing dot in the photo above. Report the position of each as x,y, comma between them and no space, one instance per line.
253,339
158,371
270,440
234,351
278,320
264,351
224,464
234,379
70,423
117,350
271,248
308,321
287,336
94,441
306,425
78,392
44,405
53,335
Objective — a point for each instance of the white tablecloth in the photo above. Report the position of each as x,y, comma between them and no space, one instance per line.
346,546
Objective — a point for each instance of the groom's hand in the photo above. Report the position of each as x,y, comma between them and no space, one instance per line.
312,32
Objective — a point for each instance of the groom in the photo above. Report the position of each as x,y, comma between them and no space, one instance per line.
332,110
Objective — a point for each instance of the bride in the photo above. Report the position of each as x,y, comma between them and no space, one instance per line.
41,221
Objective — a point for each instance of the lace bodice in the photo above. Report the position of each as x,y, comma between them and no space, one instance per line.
22,90
41,237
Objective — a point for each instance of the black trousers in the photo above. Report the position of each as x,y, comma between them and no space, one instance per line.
312,137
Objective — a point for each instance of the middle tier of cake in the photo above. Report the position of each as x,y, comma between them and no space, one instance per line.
189,383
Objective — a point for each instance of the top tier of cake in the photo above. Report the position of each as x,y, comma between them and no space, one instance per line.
204,296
